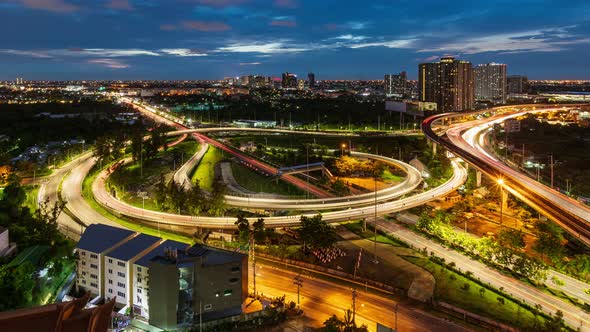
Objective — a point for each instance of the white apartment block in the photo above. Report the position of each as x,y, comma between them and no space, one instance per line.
95,243
118,267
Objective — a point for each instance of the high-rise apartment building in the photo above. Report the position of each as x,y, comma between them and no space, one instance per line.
449,83
289,81
517,84
396,85
490,82
311,80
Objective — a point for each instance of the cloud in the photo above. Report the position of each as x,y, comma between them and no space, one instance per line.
540,40
120,5
205,26
263,48
32,54
286,3
250,63
57,6
183,52
284,23
109,52
399,43
109,63
350,37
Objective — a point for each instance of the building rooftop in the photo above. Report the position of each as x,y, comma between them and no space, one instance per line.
133,247
210,256
159,251
98,238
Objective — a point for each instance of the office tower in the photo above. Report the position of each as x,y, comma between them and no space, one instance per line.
517,84
289,81
448,82
490,82
256,81
300,84
311,80
396,85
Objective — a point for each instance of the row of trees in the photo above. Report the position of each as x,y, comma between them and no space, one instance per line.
346,166
176,198
506,252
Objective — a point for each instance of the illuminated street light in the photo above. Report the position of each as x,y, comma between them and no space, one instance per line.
343,146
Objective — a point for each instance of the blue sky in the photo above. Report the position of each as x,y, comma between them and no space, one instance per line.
336,39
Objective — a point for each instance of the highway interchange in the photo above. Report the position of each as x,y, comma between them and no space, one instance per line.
74,173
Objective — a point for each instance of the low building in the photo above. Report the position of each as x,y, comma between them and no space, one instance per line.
6,248
141,273
201,283
415,108
97,241
512,126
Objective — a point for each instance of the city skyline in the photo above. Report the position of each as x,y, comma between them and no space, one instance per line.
204,39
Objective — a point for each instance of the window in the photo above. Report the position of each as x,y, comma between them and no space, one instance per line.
110,271
121,274
84,282
83,253
227,292
208,307
93,256
110,291
121,264
94,266
110,261
83,273
93,276
83,262
235,269
120,284
138,279
138,299
138,269
93,285
121,294
110,282
139,291
233,280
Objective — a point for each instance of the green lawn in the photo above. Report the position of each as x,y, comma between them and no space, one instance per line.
357,228
127,180
388,176
257,182
205,171
465,293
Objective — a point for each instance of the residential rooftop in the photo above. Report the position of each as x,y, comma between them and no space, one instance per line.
98,238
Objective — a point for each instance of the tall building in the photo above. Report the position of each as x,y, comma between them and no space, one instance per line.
311,80
256,81
490,82
449,83
396,85
289,81
517,84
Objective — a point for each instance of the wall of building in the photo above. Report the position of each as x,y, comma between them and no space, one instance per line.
89,275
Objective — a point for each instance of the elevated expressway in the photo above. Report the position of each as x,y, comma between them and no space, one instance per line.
465,140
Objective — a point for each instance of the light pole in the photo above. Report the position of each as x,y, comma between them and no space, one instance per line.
343,146
299,282
501,183
375,223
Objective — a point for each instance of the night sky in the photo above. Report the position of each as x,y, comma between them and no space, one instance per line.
344,39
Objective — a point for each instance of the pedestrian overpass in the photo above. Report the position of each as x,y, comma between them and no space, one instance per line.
303,169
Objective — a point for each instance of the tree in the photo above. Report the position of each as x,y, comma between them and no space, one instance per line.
217,204
161,192
346,324
556,323
243,229
316,233
258,230
550,241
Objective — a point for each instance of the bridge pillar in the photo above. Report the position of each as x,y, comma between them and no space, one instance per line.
504,200
434,148
478,179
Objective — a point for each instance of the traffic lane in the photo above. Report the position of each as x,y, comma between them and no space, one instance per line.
321,299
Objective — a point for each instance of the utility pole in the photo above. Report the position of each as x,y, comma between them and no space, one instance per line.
551,171
253,254
299,282
354,306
